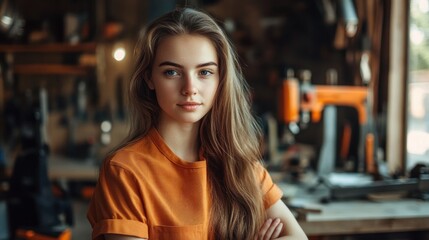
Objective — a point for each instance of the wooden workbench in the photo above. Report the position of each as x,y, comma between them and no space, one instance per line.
348,217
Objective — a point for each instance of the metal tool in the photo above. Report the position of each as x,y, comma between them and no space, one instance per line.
414,187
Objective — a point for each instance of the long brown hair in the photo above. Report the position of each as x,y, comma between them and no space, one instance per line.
228,134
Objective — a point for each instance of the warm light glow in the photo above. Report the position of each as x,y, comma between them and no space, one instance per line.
416,36
105,138
6,20
417,102
417,142
119,54
106,126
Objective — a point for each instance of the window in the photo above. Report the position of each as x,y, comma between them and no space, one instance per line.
418,85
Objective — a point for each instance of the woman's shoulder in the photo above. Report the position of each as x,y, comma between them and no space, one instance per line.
133,154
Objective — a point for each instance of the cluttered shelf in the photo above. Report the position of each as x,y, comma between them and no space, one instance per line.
48,48
49,69
82,65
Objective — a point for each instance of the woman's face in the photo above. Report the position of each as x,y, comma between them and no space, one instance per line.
185,77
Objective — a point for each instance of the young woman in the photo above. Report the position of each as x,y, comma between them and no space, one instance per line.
190,167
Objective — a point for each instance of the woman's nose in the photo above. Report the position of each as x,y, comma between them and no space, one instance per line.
189,87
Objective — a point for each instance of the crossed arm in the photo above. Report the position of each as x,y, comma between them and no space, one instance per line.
280,225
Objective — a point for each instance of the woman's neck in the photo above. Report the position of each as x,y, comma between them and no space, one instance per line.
182,140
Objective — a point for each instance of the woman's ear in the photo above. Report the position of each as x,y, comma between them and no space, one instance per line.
150,84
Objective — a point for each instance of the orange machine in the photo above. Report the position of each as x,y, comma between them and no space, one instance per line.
314,98
305,102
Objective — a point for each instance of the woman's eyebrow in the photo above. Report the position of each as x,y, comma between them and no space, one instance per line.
207,64
168,63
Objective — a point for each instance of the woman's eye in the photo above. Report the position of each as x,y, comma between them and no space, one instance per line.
205,72
170,73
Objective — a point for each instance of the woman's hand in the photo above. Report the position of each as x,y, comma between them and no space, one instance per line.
270,230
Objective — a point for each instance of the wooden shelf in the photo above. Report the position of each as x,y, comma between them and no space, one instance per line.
51,69
48,48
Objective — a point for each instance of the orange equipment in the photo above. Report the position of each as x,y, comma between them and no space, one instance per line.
314,99
305,102
33,235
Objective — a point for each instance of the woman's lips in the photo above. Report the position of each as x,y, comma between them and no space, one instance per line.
189,106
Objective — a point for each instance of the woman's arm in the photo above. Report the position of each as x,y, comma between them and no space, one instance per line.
121,237
291,229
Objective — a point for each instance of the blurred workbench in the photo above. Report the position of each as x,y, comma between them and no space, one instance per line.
64,168
357,216
60,167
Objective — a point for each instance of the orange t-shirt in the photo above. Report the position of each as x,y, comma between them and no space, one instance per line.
147,191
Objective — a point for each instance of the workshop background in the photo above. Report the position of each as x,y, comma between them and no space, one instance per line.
341,89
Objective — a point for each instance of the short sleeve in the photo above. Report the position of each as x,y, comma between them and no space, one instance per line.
116,206
271,192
